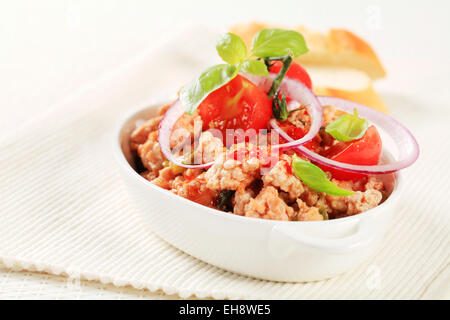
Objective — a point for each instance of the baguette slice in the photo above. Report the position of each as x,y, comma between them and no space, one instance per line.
340,63
346,83
339,48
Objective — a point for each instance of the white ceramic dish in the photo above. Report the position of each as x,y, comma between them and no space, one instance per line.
266,249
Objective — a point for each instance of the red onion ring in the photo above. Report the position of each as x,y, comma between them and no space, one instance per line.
407,145
294,89
174,112
297,91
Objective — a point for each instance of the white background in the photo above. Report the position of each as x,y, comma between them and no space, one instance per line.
50,49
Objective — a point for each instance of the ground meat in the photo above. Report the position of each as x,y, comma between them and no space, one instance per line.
267,205
240,199
209,147
165,179
261,190
367,195
185,130
363,201
148,175
140,134
373,183
177,183
330,114
280,176
184,176
150,153
300,118
192,173
326,139
358,202
195,190
315,199
230,174
306,213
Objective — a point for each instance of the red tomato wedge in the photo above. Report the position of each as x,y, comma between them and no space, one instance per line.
295,72
297,133
365,151
237,105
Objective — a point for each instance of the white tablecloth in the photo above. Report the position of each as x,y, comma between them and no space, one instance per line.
44,203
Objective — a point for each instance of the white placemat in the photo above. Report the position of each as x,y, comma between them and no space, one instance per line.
64,209
26,285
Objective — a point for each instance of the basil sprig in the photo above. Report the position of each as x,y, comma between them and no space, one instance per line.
212,79
278,42
279,107
315,178
348,127
256,67
232,49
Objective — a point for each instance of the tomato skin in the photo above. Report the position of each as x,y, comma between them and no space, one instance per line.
241,105
237,105
365,151
298,133
295,71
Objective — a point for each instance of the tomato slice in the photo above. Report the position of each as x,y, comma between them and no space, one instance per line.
298,133
237,105
365,151
295,71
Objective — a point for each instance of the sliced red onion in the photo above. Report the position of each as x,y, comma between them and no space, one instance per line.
175,111
300,93
294,89
408,148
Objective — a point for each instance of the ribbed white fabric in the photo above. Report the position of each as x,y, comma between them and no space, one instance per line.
64,209
26,285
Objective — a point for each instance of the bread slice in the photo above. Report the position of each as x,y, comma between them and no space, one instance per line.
346,83
340,48
340,63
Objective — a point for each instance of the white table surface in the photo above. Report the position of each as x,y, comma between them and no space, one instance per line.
51,48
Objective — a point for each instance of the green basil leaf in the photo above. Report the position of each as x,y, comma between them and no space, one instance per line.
256,67
231,48
348,127
278,42
315,178
212,79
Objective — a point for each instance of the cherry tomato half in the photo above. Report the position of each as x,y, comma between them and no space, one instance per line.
237,105
295,71
365,151
297,133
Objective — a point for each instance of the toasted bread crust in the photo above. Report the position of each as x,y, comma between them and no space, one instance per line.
355,52
367,96
338,47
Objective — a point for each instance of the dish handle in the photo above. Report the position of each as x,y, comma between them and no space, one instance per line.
285,239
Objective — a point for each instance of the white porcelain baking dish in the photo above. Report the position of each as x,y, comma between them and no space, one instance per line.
266,249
